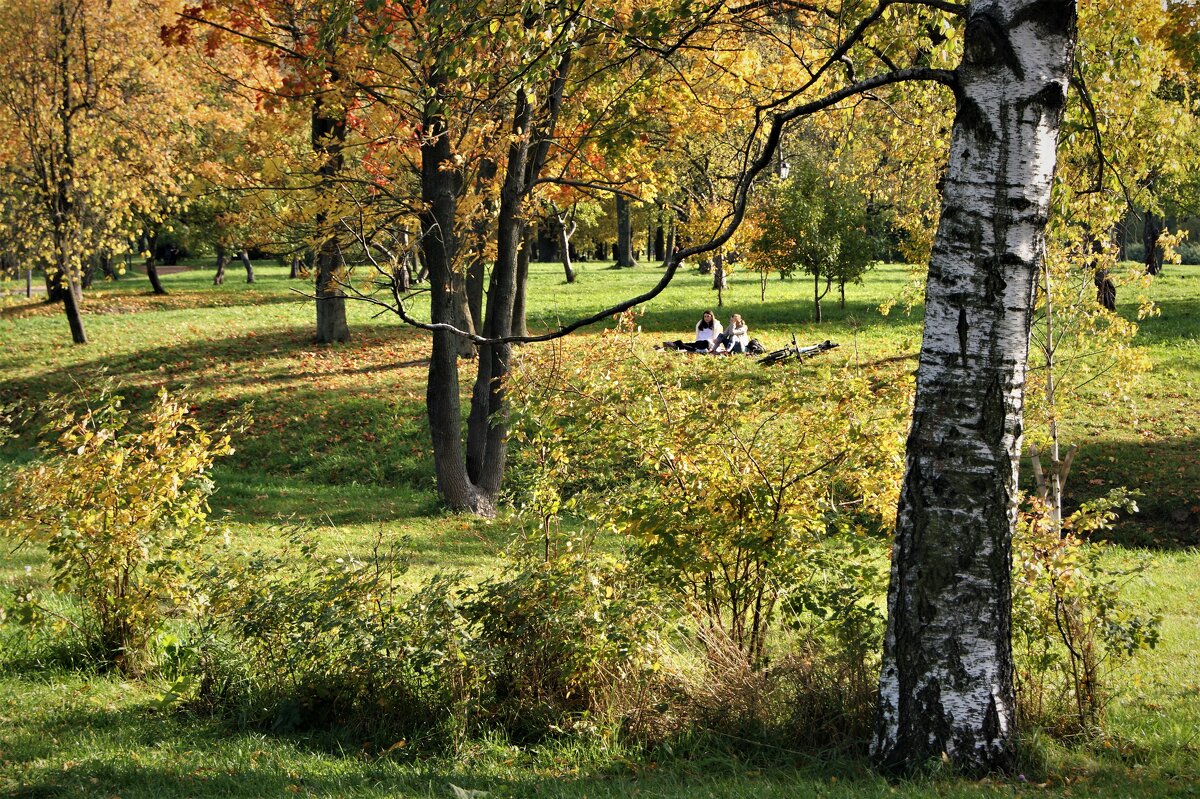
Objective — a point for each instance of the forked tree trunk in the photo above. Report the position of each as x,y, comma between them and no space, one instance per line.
946,688
439,193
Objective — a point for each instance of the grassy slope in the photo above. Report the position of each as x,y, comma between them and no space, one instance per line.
338,437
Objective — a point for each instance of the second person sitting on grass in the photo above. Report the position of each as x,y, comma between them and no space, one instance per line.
735,338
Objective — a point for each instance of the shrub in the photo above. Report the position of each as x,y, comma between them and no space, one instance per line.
120,503
1072,627
569,641
726,497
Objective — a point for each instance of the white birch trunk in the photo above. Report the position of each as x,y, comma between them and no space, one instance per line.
946,687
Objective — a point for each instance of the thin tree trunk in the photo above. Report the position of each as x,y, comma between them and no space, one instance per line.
817,297
519,327
152,273
564,235
486,426
64,206
294,272
476,271
946,687
245,256
222,262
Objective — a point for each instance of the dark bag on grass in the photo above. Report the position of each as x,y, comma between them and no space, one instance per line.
755,347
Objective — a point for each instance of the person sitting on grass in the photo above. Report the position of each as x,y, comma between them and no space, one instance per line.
736,337
708,329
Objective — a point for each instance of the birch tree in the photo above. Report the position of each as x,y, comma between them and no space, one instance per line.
946,688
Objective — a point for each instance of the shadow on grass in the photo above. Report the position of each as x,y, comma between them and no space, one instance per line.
322,442
1178,320
135,751
1166,472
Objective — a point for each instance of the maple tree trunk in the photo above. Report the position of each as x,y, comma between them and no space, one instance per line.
624,233
946,687
328,140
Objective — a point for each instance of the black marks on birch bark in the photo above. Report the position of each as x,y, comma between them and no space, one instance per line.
987,45
1053,17
993,414
974,121
1051,98
963,330
993,279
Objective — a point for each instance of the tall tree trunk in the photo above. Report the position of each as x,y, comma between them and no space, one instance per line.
328,141
624,233
244,254
946,687
294,272
487,428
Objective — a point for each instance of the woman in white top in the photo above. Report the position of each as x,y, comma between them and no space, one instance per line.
708,329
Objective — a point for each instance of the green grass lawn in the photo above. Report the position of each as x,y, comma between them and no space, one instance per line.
337,438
